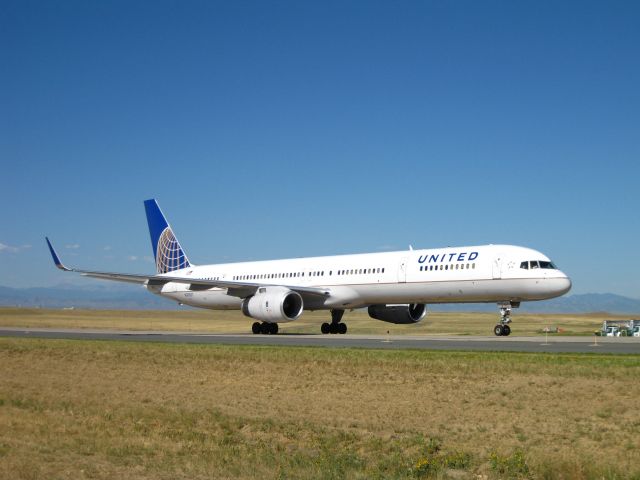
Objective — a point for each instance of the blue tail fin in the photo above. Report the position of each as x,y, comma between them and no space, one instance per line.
166,248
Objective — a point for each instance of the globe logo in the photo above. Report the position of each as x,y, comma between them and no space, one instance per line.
169,254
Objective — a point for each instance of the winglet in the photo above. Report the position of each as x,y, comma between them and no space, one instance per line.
56,259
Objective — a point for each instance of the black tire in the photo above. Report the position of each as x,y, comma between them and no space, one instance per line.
255,328
342,328
325,328
333,328
498,330
506,330
265,328
274,329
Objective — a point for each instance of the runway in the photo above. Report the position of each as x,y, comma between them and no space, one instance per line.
609,345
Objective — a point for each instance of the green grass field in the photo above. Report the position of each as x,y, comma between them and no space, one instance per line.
103,410
358,322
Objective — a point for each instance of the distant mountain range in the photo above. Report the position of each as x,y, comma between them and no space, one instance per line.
130,297
583,303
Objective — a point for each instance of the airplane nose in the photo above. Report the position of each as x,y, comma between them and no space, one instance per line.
563,285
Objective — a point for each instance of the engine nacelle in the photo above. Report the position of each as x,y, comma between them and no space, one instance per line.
273,305
399,314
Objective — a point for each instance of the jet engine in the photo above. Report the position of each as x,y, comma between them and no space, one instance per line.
399,314
273,305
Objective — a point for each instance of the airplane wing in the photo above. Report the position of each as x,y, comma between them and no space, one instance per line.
236,289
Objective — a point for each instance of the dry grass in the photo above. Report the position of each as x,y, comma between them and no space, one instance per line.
72,409
235,322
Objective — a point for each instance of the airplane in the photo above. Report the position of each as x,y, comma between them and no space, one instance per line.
395,287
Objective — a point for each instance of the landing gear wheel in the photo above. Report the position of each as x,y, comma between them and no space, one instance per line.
255,328
325,328
273,328
342,328
265,328
333,328
503,329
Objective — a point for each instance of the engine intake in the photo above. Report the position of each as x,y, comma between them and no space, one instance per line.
399,314
273,305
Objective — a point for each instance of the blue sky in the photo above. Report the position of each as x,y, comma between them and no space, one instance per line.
285,129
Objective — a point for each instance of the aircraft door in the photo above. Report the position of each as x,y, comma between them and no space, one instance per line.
497,267
402,270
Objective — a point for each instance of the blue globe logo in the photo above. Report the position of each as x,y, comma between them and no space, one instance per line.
169,254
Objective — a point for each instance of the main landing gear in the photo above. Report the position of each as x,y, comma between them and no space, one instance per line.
502,329
336,326
264,328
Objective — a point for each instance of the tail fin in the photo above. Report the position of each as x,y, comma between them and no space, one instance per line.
166,248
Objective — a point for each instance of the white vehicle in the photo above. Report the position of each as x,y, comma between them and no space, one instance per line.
395,286
612,332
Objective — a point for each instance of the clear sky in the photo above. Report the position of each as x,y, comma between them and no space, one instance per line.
293,128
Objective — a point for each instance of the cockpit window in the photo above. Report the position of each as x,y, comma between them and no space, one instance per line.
538,264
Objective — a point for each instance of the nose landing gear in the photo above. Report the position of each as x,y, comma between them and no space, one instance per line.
502,329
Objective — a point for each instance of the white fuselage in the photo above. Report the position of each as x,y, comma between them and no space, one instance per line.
489,273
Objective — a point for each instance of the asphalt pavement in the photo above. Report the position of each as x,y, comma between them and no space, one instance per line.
551,344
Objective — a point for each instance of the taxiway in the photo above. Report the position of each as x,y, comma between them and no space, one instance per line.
552,344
